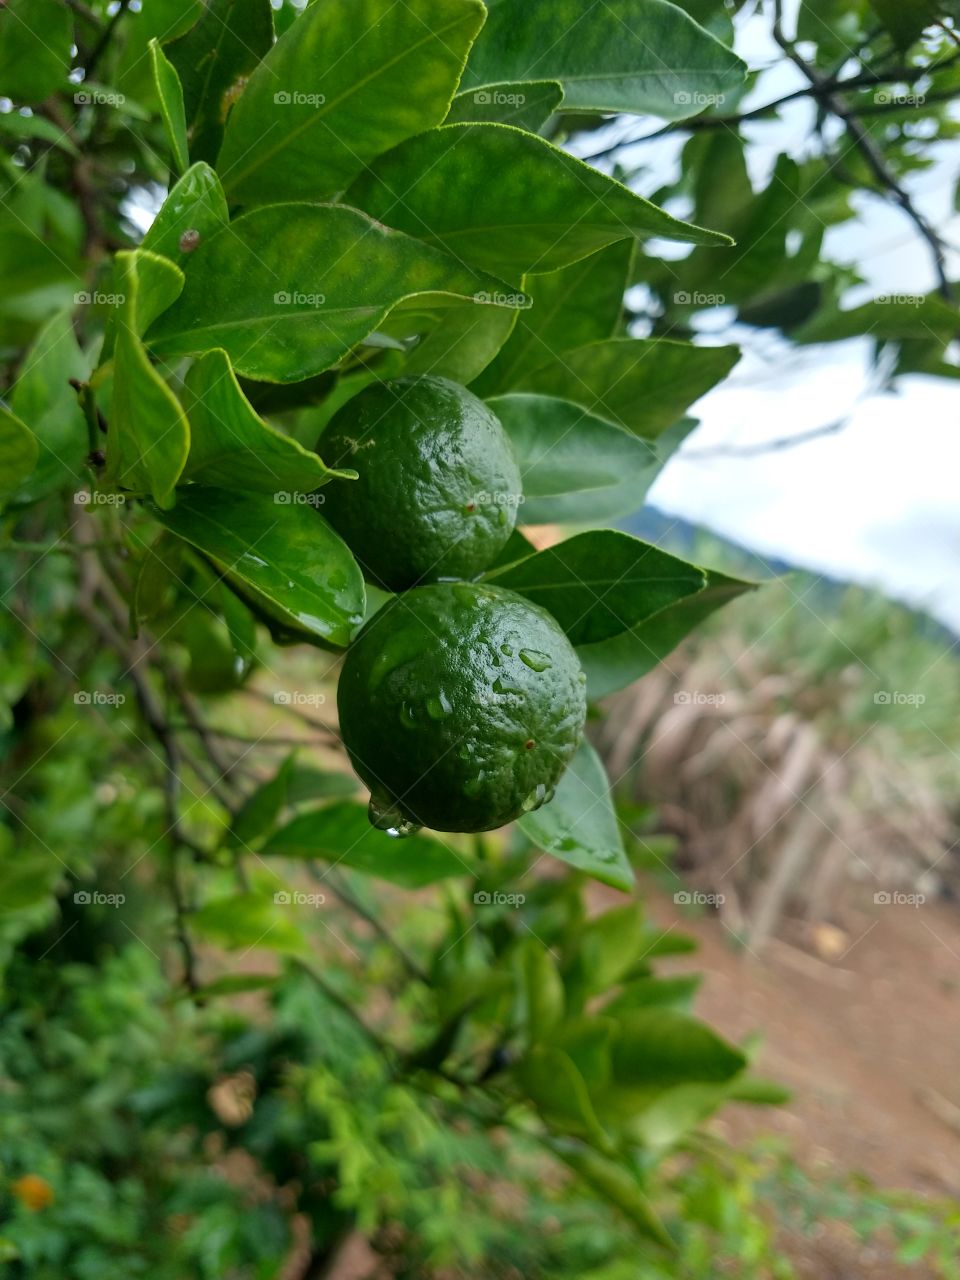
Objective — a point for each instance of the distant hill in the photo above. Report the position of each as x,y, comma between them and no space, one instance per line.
695,542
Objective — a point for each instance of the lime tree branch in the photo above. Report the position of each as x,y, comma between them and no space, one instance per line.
829,94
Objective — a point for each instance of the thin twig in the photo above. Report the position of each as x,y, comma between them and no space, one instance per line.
332,880
828,93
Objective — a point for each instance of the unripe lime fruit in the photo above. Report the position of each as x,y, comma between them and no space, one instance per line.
438,485
461,704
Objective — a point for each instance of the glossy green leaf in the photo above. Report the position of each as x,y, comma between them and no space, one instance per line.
616,662
231,446
18,452
580,825
213,60
259,811
149,431
569,308
44,400
194,210
895,316
286,553
35,40
507,201
642,384
601,583
247,920
643,56
349,80
528,104
457,342
559,1092
341,834
286,291
170,94
575,467
617,1185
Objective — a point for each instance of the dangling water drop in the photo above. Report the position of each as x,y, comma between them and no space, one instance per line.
507,650
385,816
535,799
535,660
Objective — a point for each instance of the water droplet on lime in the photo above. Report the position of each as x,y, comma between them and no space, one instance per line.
535,799
535,660
439,706
507,650
502,517
473,785
408,717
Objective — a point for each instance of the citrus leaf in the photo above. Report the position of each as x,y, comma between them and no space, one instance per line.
35,40
342,835
664,1048
149,431
507,201
213,60
600,584
18,452
287,554
247,920
196,205
44,400
349,80
642,384
528,104
643,56
580,825
230,444
542,988
458,342
616,662
259,811
287,290
617,1185
569,308
559,1092
170,94
575,468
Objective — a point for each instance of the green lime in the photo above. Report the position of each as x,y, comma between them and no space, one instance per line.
461,704
438,484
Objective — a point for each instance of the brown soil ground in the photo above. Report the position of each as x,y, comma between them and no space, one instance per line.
867,1035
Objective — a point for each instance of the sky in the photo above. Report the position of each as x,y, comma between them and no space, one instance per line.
877,501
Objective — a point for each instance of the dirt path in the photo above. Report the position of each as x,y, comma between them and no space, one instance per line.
869,1040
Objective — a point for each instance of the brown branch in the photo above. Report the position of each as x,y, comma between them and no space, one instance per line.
829,94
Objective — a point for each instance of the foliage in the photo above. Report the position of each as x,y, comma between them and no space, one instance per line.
335,194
